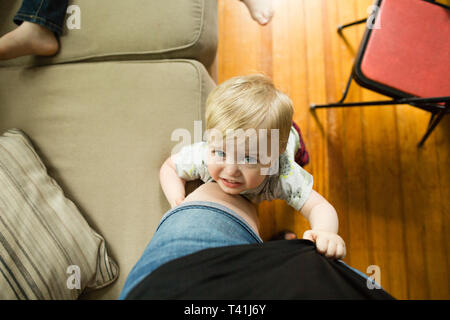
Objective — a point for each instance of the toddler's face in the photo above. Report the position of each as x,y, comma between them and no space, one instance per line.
234,170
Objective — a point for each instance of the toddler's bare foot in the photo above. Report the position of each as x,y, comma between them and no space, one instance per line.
28,39
260,10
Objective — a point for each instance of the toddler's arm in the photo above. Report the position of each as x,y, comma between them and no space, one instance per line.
324,224
172,185
186,165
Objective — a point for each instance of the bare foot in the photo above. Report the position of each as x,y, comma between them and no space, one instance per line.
260,10
284,235
290,236
28,39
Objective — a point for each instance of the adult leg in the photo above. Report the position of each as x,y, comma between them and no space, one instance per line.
242,207
208,218
246,210
40,22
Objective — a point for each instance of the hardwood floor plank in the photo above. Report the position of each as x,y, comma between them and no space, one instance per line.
414,202
239,41
442,143
433,219
315,92
334,75
353,157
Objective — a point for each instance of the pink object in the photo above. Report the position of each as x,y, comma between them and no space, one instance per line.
410,51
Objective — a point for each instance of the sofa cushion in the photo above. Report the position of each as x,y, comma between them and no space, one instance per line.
103,130
125,30
47,251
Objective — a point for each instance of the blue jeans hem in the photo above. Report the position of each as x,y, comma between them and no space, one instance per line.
21,17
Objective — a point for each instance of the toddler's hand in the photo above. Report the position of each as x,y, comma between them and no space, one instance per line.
327,243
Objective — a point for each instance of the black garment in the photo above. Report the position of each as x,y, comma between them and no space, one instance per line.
286,269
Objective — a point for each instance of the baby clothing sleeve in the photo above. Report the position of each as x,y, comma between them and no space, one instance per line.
191,162
294,183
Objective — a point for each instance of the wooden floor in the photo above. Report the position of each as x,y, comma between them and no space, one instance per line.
392,198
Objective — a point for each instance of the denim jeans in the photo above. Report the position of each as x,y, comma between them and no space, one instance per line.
47,13
188,228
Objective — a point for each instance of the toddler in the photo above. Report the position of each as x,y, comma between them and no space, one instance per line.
251,150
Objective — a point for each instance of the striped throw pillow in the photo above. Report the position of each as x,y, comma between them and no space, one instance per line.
47,249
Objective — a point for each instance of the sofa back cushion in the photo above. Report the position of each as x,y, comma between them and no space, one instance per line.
126,30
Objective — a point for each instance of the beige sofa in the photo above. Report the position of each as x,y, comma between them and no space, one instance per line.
101,112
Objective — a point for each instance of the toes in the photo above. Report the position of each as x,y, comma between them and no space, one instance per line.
284,235
258,17
263,17
267,14
290,236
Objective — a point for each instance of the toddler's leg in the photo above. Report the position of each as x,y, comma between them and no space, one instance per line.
260,10
40,22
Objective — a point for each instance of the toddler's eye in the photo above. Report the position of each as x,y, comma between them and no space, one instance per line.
219,153
250,160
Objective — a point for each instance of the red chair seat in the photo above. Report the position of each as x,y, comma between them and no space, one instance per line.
411,50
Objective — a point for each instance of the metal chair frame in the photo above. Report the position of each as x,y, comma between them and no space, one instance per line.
438,106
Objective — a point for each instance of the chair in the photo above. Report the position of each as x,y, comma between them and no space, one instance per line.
405,55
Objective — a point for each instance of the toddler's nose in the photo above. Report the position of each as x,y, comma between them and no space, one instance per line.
232,170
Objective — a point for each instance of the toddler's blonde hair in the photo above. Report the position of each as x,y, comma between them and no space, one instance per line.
251,101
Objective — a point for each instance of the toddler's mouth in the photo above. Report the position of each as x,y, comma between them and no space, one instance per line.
230,183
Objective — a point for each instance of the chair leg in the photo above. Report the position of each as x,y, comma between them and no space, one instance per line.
343,26
414,100
347,86
434,120
341,101
313,106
